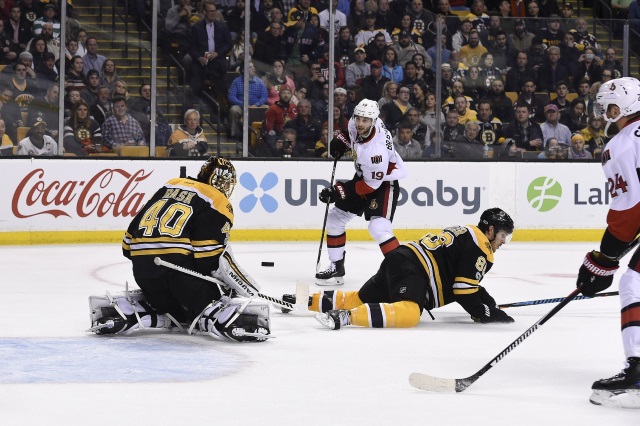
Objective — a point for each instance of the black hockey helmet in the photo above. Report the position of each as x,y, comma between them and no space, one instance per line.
219,173
497,217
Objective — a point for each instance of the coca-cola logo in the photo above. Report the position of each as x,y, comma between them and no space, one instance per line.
110,191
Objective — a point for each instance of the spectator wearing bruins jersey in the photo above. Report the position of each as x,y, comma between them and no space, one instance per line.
186,222
490,125
434,271
552,35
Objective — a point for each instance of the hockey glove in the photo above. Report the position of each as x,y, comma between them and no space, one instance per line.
339,144
332,193
596,273
493,315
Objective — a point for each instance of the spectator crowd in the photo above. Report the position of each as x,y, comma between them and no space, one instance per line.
516,82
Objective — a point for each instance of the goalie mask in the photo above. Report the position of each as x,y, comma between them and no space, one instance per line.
624,93
219,173
497,218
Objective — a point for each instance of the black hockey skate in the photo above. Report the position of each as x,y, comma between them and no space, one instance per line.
333,275
335,319
621,390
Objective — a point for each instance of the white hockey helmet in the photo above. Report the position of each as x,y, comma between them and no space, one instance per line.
623,92
367,108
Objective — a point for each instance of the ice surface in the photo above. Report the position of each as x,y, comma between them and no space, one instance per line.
54,373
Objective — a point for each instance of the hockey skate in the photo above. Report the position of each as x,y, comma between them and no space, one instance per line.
333,275
335,319
621,390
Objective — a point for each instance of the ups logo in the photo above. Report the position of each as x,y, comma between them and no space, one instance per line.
376,159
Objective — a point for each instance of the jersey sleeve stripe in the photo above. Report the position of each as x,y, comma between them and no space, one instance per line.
460,280
160,251
213,253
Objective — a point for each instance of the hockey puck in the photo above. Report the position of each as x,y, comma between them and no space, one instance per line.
268,264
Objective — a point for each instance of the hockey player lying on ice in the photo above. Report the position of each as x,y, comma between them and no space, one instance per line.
425,274
186,222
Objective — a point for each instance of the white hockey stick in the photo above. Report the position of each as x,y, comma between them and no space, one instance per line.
439,384
170,265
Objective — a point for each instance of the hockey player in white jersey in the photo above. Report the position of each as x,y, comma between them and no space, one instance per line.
618,102
374,189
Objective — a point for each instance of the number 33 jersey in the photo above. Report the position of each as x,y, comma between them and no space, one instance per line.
375,157
621,164
184,222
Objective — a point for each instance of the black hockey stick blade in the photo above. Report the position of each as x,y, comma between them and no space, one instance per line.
443,385
554,300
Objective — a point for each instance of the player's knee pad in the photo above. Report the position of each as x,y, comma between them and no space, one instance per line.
237,319
337,220
234,277
123,313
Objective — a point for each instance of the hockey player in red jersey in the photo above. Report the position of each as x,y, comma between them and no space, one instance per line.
618,102
434,271
374,189
187,222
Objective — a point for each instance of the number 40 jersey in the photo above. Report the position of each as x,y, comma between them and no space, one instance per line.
185,222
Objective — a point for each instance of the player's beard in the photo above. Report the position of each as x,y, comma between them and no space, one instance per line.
611,129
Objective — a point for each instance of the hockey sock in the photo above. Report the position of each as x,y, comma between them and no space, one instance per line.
331,299
403,314
335,246
390,244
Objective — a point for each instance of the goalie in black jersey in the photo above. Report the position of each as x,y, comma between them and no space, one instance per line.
434,271
187,222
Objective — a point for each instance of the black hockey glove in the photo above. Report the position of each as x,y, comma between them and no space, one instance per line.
596,273
494,315
332,193
339,144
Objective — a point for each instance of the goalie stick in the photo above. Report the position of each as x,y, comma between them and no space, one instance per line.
554,300
170,265
439,384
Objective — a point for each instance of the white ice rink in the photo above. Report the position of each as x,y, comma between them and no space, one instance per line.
54,373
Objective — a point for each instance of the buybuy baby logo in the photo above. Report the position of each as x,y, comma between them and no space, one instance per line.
258,192
544,193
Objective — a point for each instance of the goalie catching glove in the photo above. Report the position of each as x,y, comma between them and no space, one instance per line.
339,144
596,273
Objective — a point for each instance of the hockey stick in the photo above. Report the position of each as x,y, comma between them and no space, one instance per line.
326,213
439,384
170,265
554,300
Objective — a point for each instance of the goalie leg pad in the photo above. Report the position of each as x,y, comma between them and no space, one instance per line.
237,319
233,276
123,313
